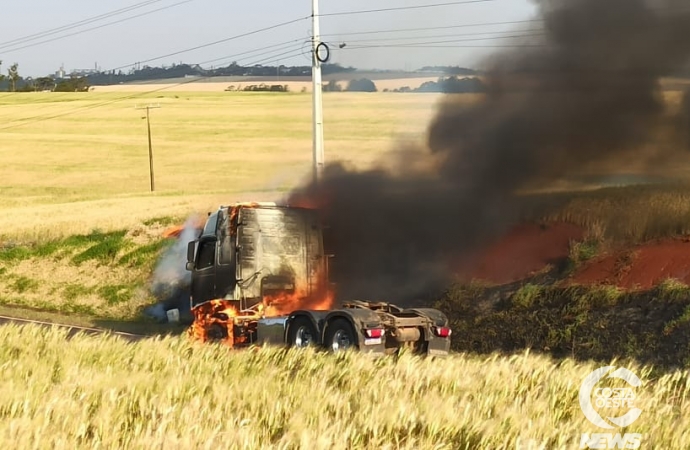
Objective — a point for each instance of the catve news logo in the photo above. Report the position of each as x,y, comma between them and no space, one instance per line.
596,400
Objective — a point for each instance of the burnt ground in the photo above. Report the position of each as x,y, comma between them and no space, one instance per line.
630,302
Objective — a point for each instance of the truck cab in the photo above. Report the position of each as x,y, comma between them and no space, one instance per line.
251,251
251,257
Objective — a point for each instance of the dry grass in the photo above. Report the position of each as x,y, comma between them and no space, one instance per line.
99,274
170,393
116,292
625,215
89,171
90,168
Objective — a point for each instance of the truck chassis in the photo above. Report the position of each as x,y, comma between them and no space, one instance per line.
376,328
260,275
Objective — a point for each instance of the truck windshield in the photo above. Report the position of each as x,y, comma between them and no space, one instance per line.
211,224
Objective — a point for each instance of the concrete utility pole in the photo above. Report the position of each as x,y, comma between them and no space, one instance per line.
317,93
148,125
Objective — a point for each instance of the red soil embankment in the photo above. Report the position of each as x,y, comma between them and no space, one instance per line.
530,248
642,267
525,251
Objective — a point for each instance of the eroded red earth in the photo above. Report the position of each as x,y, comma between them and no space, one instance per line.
642,267
530,249
525,251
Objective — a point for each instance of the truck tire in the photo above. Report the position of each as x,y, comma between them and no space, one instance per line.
217,332
340,336
301,333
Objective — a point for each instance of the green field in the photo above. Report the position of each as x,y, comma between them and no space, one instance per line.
170,393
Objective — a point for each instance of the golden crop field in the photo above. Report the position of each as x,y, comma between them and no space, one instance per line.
80,230
80,234
80,160
171,393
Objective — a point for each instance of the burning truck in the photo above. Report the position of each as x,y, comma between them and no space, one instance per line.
260,275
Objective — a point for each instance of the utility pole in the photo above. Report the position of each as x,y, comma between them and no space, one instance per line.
317,93
148,125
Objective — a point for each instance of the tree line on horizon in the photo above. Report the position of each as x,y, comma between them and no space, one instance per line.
14,82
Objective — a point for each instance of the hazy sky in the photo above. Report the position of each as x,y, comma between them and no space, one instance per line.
199,22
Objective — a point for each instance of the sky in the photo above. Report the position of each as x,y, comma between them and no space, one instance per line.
183,24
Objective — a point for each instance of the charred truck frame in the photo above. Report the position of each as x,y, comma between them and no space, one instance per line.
260,276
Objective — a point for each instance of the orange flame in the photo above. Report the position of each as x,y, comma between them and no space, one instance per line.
214,320
176,230
220,319
234,210
284,303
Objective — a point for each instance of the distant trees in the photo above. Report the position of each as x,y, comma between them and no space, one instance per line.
263,87
13,76
148,73
361,85
332,86
450,85
453,85
74,84
44,84
11,80
267,88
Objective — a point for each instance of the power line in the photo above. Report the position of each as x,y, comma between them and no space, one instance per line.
289,52
442,42
214,43
537,32
97,27
398,30
478,24
73,25
290,49
446,46
220,41
402,8
45,117
223,58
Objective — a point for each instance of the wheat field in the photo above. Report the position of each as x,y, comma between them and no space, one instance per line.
101,392
81,159
86,169
75,164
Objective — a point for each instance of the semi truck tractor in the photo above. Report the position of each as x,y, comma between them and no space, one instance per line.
260,275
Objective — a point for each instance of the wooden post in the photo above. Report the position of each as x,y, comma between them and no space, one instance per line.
148,126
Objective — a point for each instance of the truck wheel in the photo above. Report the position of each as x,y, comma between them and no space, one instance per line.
217,332
340,336
302,333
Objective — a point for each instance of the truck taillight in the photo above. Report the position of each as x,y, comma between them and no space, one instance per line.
374,333
443,332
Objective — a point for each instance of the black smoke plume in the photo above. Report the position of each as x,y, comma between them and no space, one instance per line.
587,94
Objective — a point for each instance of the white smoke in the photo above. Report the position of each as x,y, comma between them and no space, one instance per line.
170,274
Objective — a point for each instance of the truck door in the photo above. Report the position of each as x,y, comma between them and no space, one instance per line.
225,269
204,276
